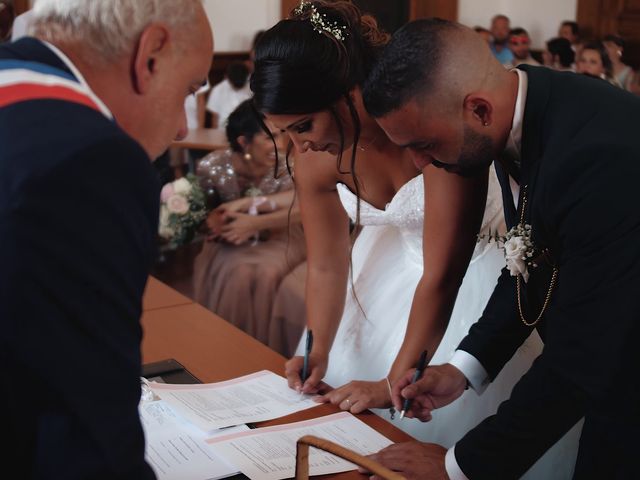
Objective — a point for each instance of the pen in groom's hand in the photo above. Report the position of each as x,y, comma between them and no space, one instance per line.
307,352
422,363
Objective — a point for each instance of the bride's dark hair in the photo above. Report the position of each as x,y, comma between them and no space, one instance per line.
302,66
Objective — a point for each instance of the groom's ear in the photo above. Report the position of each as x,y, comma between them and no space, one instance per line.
478,110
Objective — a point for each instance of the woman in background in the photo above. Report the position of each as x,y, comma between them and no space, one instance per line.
621,72
594,61
255,237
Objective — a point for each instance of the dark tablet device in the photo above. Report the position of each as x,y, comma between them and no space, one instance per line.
168,371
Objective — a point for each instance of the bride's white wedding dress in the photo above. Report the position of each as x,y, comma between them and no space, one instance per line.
387,265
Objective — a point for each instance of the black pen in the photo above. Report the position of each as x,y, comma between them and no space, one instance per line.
422,363
307,352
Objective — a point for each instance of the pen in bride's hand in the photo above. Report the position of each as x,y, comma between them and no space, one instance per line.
307,352
422,363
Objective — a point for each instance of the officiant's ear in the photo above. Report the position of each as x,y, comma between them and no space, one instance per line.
151,49
478,109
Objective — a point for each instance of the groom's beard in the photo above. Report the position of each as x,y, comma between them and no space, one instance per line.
475,158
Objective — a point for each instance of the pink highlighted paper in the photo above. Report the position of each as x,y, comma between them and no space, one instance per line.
270,453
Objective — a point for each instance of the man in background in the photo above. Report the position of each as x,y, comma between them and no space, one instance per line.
520,44
229,93
84,108
571,31
500,27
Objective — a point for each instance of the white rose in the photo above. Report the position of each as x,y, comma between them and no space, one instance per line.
163,229
182,186
177,204
515,251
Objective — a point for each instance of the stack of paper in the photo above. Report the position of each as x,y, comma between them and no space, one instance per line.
198,432
253,398
176,450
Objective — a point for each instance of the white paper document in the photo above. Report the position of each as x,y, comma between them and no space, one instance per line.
177,450
270,453
253,398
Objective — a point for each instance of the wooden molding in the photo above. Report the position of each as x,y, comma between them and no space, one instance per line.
287,6
445,9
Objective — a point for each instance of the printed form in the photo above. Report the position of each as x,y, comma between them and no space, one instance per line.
177,450
253,398
270,453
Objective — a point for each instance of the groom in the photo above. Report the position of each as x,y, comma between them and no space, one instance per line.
569,166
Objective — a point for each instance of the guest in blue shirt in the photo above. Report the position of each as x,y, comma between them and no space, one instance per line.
500,28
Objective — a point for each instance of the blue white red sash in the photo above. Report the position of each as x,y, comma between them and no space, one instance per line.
21,81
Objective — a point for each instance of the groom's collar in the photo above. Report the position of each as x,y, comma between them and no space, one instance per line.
514,141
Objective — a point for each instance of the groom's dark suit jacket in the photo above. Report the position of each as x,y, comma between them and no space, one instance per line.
78,215
581,169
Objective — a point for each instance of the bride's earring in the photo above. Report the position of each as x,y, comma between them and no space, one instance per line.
247,156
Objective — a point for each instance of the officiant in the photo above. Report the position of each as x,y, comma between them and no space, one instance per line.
568,155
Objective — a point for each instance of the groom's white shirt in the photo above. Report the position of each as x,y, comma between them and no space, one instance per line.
470,367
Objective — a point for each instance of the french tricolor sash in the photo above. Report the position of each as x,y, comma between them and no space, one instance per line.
21,81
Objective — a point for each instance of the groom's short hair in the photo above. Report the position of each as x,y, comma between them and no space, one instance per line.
408,65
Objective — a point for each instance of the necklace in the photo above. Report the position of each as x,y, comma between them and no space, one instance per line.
363,148
552,283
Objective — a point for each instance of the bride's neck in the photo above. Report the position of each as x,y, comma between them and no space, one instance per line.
371,135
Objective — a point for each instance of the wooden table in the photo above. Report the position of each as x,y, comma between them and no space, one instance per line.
160,295
203,139
214,350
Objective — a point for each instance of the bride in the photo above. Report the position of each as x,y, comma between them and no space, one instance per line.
375,307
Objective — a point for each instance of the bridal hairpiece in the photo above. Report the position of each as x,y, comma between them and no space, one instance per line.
320,21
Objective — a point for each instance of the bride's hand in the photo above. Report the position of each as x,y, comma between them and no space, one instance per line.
358,396
317,369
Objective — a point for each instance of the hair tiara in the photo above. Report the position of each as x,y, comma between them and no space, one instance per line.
321,22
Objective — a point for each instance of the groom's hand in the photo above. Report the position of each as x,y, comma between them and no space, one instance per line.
413,460
439,386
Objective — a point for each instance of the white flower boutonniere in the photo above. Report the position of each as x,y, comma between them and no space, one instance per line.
518,251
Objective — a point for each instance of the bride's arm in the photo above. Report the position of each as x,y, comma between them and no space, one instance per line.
326,231
454,208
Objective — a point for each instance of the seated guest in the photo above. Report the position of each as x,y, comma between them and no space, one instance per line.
571,31
85,105
594,61
229,93
519,43
500,26
255,237
620,71
559,55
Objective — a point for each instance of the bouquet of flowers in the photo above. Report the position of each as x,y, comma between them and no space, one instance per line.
182,210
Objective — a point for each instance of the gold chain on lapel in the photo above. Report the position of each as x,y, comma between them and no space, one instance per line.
552,284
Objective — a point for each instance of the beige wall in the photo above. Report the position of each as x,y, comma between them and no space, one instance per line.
234,22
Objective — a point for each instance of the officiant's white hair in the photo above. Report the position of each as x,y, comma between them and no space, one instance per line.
109,27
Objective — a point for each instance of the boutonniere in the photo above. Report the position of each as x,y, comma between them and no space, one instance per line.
518,249
521,255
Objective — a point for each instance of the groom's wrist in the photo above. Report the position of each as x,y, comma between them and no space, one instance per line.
477,377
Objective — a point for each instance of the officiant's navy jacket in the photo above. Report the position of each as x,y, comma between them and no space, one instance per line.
581,173
78,216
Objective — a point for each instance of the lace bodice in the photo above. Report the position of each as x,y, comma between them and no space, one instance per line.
405,211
